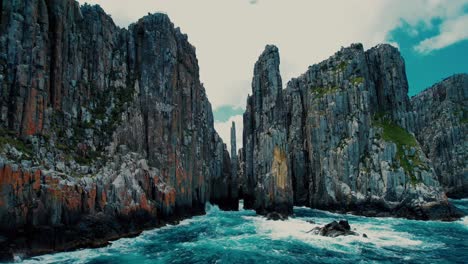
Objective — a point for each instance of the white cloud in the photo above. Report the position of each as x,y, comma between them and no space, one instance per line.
230,35
451,32
224,131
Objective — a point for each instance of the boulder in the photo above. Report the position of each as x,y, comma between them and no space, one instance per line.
334,229
275,216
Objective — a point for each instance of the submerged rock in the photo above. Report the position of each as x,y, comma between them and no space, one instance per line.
334,229
275,216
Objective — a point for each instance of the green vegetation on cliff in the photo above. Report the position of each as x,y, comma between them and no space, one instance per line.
8,137
404,141
319,92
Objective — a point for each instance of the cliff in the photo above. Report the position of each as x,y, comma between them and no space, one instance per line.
234,186
348,145
441,125
267,174
104,131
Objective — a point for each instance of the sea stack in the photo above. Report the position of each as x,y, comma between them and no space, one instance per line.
349,144
234,187
268,180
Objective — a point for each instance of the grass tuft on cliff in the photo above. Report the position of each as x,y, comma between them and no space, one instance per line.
8,137
357,80
319,92
404,141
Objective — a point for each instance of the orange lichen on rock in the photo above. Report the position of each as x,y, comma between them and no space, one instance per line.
12,178
5,176
37,180
72,199
91,201
18,179
103,200
29,120
144,203
170,198
279,167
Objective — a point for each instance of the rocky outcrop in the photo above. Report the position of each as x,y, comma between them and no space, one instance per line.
334,229
267,174
348,142
104,131
234,184
441,125
241,182
224,185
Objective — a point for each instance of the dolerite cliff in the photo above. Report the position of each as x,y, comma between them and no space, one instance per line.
347,146
441,125
267,174
234,187
103,131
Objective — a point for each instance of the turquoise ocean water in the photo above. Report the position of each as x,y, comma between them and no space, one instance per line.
243,237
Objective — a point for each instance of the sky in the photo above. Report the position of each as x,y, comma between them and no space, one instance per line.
229,35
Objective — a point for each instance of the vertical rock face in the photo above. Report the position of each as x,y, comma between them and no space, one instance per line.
387,75
104,131
441,125
348,144
224,186
241,182
233,149
267,174
234,167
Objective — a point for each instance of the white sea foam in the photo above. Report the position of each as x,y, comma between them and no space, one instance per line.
380,236
464,221
245,232
80,256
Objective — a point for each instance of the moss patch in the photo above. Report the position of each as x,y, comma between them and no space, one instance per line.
342,143
463,115
8,137
342,66
108,108
404,141
88,159
319,92
357,80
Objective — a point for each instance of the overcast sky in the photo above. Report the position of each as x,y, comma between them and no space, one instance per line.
229,35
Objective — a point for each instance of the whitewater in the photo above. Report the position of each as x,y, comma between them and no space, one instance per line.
243,237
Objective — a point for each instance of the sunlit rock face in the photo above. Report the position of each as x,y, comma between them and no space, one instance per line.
348,143
441,125
104,131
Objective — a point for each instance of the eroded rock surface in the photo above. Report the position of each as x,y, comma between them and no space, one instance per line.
267,174
349,146
334,229
104,131
441,125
